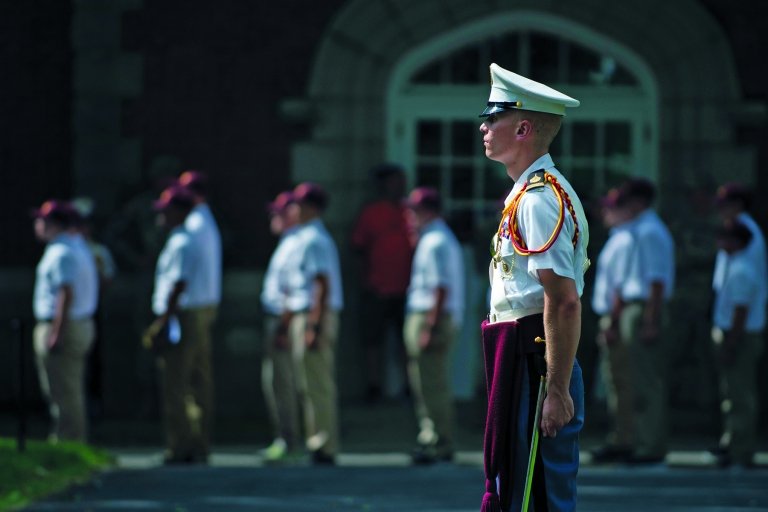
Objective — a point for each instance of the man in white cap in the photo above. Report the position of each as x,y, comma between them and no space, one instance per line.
537,278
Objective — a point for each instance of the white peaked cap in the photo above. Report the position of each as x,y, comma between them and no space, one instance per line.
510,91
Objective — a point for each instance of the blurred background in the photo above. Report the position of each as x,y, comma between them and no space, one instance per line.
109,98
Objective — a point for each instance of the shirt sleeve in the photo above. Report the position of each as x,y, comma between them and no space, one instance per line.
742,287
538,217
316,260
652,259
64,269
440,256
182,261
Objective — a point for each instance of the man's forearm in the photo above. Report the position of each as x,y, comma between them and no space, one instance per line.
173,299
562,329
433,315
652,311
319,300
61,314
738,325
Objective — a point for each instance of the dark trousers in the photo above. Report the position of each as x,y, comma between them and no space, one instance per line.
381,316
187,384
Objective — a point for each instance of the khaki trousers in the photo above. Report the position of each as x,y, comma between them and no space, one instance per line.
316,382
60,372
186,381
616,369
648,366
739,404
279,368
429,379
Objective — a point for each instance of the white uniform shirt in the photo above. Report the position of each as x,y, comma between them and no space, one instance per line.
437,263
612,267
274,292
178,261
755,251
653,258
316,255
66,261
515,282
740,288
204,288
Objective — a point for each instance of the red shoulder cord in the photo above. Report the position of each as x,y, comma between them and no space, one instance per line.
510,214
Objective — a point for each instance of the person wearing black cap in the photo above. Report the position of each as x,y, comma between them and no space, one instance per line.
203,227
183,358
610,271
105,265
733,202
314,301
647,288
738,322
434,310
278,368
65,298
539,256
382,239
203,291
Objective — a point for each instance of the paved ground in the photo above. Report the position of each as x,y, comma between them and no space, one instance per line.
383,482
374,473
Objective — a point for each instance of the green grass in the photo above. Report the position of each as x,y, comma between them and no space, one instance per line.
44,468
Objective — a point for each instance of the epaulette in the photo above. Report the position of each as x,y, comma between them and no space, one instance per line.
536,180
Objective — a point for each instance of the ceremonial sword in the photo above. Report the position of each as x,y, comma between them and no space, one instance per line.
534,437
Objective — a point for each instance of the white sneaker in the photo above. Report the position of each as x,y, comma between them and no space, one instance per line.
276,451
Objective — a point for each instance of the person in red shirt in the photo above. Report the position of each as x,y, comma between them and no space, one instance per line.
381,237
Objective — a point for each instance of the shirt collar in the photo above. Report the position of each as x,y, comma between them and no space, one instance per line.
543,162
432,225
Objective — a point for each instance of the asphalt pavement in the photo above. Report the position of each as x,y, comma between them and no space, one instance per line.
384,482
374,474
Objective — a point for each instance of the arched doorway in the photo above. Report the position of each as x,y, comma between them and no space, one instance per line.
438,89
371,91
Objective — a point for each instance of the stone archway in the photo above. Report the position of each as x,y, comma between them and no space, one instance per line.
681,43
684,49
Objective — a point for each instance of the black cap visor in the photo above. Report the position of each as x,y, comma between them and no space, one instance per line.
494,107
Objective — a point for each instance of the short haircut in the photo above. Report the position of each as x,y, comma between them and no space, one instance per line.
546,126
735,230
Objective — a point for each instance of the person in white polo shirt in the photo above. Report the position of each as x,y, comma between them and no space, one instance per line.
279,365
179,335
610,272
738,323
648,286
315,299
202,225
434,309
65,299
539,256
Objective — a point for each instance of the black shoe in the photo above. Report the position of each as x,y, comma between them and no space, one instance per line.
323,459
187,459
646,459
723,459
373,395
427,455
610,453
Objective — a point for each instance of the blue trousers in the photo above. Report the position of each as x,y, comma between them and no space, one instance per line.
558,461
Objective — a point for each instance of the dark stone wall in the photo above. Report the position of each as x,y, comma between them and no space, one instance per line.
214,76
35,130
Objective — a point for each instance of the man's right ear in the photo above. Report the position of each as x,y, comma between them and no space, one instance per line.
524,128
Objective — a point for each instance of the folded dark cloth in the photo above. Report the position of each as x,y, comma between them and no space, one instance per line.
507,347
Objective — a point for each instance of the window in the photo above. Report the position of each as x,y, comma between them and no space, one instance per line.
435,124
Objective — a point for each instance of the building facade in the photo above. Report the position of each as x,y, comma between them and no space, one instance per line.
107,97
